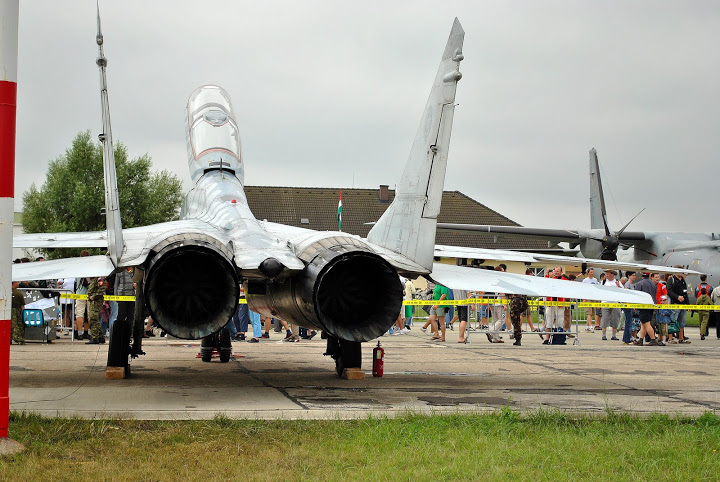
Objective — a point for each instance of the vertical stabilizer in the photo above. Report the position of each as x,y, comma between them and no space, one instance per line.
408,225
598,214
112,204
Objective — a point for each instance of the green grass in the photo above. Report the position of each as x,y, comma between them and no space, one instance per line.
502,446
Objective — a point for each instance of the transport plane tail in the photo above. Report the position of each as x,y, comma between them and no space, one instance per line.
408,225
598,215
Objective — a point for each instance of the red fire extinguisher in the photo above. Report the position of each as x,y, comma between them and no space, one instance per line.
378,360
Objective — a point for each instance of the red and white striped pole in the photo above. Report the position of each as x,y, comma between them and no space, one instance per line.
8,97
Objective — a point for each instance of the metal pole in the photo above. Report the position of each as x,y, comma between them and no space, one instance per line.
8,98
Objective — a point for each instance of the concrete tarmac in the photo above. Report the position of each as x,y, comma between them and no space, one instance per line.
274,379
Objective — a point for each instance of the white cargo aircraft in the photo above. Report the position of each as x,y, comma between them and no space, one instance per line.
314,279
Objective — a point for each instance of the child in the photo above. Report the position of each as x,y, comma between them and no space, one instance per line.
704,299
663,318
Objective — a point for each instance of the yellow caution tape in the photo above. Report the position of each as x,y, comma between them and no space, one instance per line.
479,301
71,296
583,304
119,298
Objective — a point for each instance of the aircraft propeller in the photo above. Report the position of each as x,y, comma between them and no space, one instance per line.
611,240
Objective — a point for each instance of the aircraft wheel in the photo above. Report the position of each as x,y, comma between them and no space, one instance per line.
119,345
207,345
351,354
339,366
225,345
347,354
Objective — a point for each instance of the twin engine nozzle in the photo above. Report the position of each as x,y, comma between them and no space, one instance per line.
346,290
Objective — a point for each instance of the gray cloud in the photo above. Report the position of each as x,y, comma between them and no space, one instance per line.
330,93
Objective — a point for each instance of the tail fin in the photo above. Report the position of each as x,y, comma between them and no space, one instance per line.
408,225
598,214
112,203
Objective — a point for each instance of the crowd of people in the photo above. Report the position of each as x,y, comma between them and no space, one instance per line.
92,319
654,327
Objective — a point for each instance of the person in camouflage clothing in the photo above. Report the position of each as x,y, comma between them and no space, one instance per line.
96,296
518,306
17,322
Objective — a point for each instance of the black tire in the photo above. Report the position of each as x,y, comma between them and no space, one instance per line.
119,346
225,345
351,354
347,354
207,345
339,366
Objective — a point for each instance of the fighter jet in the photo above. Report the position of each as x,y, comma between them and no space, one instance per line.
699,252
194,267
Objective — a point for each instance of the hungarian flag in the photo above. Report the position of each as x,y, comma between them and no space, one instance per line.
340,213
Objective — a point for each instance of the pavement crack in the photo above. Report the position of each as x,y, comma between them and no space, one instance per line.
649,391
265,383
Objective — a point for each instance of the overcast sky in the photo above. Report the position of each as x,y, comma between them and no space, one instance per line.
329,94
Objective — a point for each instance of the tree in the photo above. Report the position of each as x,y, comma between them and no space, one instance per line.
72,198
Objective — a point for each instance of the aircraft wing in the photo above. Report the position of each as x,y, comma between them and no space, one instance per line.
90,239
474,279
554,235
85,267
543,234
249,247
535,259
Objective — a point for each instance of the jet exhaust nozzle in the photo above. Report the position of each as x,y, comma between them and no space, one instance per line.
345,290
191,287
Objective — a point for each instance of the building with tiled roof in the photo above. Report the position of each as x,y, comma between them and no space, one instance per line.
316,208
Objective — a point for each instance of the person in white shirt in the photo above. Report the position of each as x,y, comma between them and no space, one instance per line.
591,312
67,286
715,297
408,296
610,316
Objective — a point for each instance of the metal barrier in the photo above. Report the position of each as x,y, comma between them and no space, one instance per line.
52,312
577,313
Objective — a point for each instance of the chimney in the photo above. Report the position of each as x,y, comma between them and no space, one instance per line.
384,194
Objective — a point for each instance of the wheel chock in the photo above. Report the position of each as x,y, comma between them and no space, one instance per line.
353,374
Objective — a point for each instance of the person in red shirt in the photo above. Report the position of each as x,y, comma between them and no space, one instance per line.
661,287
660,279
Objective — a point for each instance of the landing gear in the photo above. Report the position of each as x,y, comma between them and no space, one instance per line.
138,325
347,354
217,341
225,348
119,346
207,345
